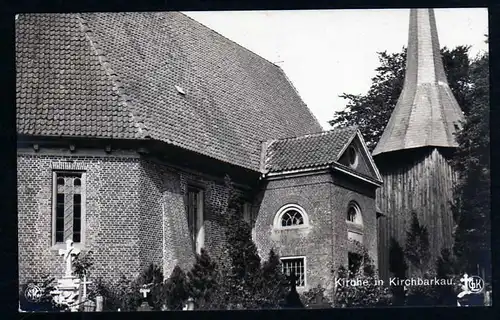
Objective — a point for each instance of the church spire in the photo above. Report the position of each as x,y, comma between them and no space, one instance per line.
427,113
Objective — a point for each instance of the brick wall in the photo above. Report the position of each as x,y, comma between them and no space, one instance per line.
112,214
324,243
312,193
135,215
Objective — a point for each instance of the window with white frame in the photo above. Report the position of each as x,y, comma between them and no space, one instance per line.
297,266
68,206
291,216
195,215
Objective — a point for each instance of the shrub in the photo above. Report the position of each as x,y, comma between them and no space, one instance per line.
203,281
370,295
273,284
315,297
176,289
123,294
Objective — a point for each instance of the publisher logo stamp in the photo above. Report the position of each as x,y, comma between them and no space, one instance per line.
33,293
471,285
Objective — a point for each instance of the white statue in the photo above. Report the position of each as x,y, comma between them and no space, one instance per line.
68,254
67,290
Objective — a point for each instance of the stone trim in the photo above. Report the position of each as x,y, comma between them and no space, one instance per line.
69,166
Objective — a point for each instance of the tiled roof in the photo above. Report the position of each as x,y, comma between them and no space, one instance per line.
307,151
427,112
116,73
62,88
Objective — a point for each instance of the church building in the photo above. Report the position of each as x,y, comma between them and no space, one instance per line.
127,125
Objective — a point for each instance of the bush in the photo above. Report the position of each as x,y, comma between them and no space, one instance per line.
123,294
370,294
176,290
152,277
315,297
203,281
274,284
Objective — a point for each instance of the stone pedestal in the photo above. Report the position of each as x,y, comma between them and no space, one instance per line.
66,293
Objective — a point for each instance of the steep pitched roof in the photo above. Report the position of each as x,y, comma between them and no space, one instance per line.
116,75
427,113
307,151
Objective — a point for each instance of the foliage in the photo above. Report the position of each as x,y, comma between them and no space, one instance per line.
203,281
447,268
417,247
122,294
152,277
242,275
398,267
472,161
315,297
83,263
274,284
371,112
176,289
372,293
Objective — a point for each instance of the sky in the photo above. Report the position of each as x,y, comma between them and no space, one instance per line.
328,52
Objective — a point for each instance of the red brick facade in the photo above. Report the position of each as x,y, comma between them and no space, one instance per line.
135,214
325,199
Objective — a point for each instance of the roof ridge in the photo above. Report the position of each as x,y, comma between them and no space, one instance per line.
236,43
297,92
113,77
317,134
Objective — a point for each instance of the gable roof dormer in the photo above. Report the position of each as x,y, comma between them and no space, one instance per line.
341,150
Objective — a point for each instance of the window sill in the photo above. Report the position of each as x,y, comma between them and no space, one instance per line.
291,228
59,246
354,227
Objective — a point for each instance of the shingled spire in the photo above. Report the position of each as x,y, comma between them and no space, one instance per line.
414,151
427,113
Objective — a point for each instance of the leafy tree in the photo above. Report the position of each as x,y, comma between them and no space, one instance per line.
472,161
371,111
203,281
176,289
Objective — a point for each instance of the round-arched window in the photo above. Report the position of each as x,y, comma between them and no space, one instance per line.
354,213
291,216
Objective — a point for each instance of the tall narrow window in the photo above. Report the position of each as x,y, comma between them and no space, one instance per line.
195,217
68,204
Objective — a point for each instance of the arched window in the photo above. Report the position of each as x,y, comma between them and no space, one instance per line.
354,222
291,216
354,213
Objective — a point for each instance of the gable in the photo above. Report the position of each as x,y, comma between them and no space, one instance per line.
230,99
309,151
362,165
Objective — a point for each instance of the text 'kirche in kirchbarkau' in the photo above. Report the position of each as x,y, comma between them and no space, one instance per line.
342,282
